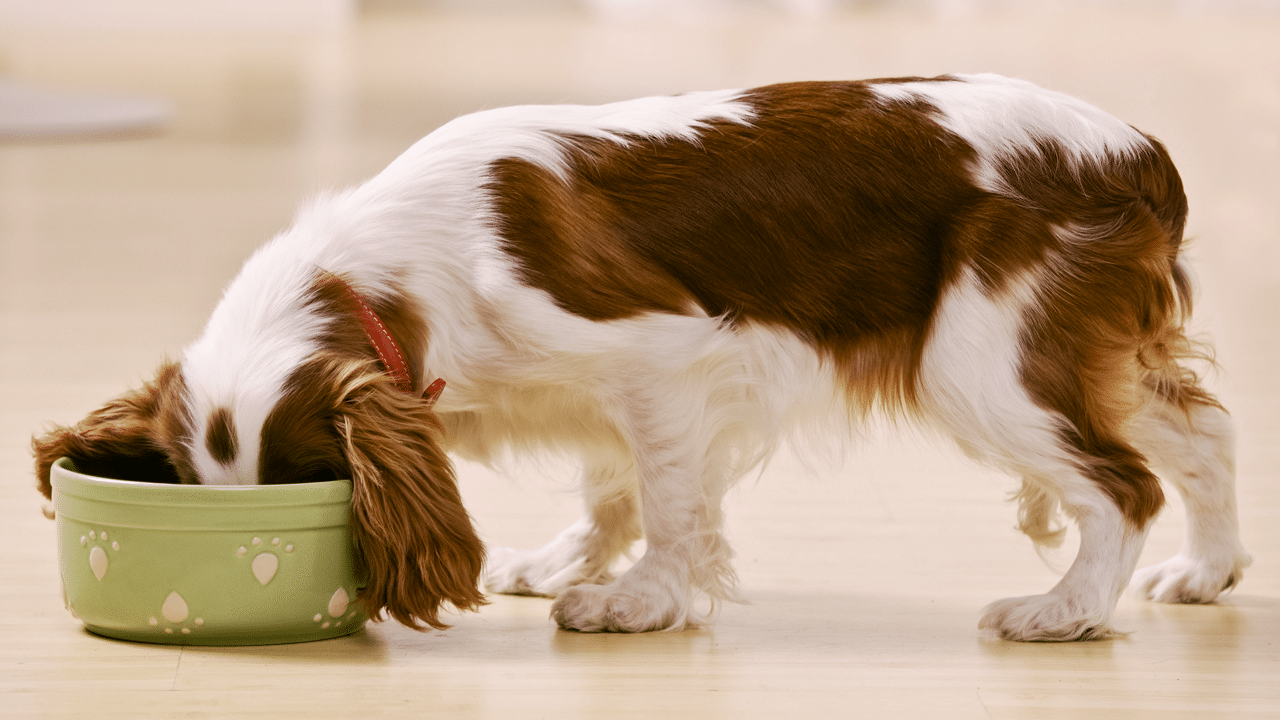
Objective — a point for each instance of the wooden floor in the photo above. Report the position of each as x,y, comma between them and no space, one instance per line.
865,578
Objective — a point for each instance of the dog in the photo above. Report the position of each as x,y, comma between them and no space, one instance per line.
668,288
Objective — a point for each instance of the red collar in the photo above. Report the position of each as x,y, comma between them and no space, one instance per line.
386,346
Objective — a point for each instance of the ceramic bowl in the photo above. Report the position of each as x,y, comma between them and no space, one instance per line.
197,565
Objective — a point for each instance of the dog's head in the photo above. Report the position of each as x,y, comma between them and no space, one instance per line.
335,413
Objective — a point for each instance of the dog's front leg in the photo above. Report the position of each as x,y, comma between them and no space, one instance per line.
682,479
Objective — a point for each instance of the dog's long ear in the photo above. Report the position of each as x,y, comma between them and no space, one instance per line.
137,436
408,523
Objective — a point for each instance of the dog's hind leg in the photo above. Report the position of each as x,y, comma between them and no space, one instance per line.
583,552
972,383
1192,447
1079,607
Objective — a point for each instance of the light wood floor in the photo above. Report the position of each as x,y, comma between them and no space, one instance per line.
865,578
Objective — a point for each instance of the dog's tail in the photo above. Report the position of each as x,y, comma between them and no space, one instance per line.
1169,356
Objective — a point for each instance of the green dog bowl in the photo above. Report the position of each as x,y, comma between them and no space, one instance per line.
202,565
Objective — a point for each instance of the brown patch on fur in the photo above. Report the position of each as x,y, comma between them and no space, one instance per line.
1112,307
397,311
341,416
570,248
141,435
804,219
299,441
220,436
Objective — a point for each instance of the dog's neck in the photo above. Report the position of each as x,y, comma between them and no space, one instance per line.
383,343
386,346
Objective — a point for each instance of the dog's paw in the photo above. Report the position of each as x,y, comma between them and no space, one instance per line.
1183,579
540,573
1045,618
611,608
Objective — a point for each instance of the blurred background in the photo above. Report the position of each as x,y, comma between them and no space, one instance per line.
148,146
222,115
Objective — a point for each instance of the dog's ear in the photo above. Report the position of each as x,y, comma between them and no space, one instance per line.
137,436
407,520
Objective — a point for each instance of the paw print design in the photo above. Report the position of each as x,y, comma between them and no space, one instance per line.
337,610
266,561
175,612
98,544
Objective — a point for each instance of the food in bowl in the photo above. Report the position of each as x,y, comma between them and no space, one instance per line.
201,565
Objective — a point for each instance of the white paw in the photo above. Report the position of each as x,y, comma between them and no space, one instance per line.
613,608
1182,579
1045,618
541,573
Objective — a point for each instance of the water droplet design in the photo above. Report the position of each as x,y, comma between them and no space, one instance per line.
338,603
115,545
98,561
175,608
265,566
153,622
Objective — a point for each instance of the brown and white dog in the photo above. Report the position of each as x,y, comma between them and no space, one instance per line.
671,286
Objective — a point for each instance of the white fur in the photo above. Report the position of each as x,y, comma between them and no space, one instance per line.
970,378
1196,452
998,115
260,325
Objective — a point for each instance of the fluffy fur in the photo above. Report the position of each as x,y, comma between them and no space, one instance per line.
668,287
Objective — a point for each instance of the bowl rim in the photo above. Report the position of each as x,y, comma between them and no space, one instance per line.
68,481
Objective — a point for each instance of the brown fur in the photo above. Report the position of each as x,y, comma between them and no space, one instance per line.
137,436
408,522
220,437
300,440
